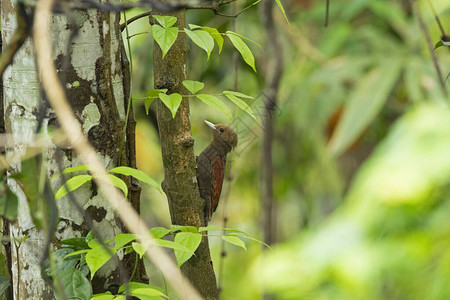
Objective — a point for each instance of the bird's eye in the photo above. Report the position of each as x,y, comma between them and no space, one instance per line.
221,129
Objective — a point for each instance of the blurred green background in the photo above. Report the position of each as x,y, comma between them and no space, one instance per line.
361,151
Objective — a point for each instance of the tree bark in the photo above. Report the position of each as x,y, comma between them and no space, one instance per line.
180,185
274,70
93,76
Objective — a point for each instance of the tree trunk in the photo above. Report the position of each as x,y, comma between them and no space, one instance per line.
92,73
177,145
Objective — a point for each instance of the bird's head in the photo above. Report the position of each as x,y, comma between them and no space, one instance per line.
225,138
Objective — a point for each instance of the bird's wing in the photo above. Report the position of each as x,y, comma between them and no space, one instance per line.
218,171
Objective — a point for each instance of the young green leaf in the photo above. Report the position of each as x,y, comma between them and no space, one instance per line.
191,241
245,51
202,39
241,104
72,169
106,296
234,240
214,228
122,239
193,86
165,21
72,184
438,44
175,228
172,102
147,294
237,94
140,250
215,103
150,96
213,32
159,232
280,6
242,37
119,183
138,174
97,256
164,37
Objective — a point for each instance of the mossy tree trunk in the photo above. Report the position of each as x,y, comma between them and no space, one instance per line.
180,184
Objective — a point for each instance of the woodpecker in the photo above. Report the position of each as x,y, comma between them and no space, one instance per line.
211,166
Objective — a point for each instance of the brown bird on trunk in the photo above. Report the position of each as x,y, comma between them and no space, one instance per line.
211,166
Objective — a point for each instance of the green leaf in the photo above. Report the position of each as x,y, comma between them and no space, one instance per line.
234,240
215,103
175,228
202,39
193,86
241,104
214,34
189,240
159,232
144,291
138,174
4,284
122,239
214,228
245,51
147,293
119,183
139,248
246,236
364,104
172,102
280,6
164,37
77,252
72,169
97,256
75,284
165,21
76,243
105,296
72,184
150,96
9,204
237,94
242,37
438,44
446,78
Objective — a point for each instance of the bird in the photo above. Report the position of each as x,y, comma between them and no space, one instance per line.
211,166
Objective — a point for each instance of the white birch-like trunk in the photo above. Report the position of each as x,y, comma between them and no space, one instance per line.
95,89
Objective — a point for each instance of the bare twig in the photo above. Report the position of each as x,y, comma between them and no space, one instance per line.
79,142
327,12
20,35
432,53
131,20
437,18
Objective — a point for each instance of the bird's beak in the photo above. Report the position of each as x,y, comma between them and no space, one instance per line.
211,125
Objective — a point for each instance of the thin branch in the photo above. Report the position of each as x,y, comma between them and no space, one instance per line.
437,18
432,53
20,35
327,12
79,142
131,20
